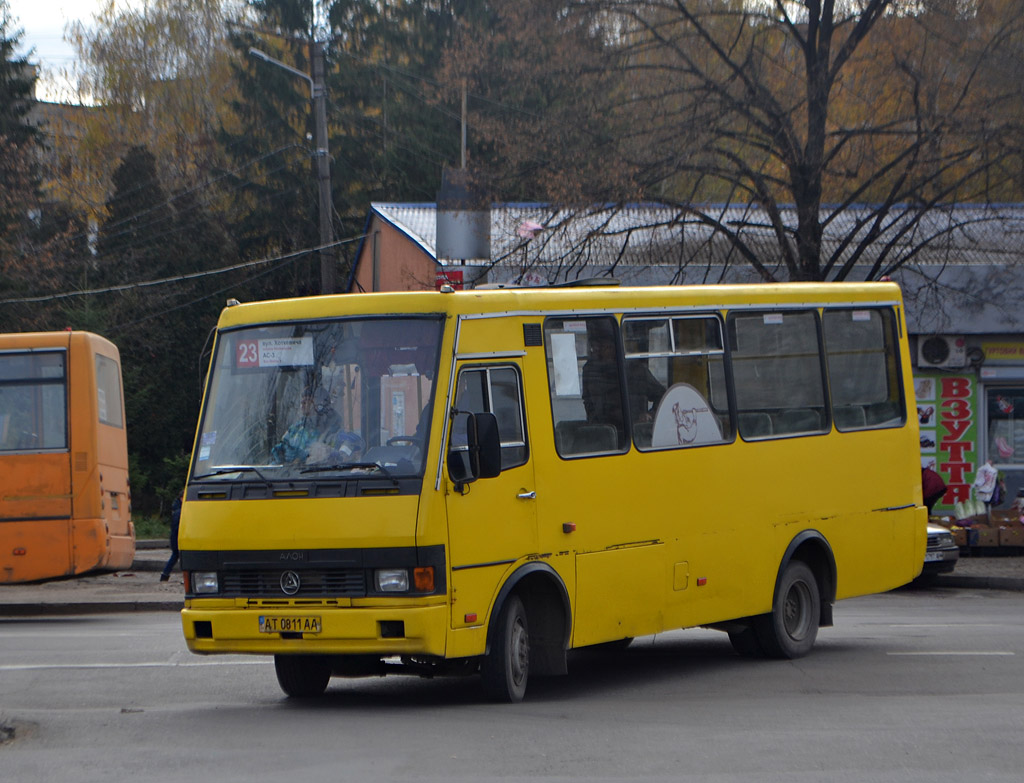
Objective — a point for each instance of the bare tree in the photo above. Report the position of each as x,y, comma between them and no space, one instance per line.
844,129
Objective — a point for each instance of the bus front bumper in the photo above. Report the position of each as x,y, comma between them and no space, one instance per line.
384,631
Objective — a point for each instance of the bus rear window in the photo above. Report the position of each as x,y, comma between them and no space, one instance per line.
33,401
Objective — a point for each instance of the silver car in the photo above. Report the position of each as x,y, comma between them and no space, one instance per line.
942,553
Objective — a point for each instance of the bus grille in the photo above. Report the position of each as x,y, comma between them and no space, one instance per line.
349,582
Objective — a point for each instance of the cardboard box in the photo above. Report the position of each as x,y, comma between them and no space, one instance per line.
959,535
983,536
1011,534
1002,516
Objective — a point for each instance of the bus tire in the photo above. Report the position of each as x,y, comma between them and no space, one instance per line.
505,667
303,676
746,643
790,629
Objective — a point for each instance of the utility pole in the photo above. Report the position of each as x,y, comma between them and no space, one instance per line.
322,162
323,169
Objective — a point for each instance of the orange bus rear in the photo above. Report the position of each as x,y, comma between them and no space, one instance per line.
64,495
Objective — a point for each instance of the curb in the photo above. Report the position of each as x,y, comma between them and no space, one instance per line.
981,582
146,565
88,607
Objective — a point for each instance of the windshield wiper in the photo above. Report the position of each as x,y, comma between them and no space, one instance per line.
349,466
233,469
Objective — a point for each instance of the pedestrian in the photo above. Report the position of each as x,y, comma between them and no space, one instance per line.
932,487
173,539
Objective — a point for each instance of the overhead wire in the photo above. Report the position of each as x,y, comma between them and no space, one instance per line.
180,278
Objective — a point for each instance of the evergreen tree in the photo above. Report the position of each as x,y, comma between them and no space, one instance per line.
161,329
388,139
18,170
17,83
139,227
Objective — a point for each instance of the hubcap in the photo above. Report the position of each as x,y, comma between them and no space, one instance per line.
795,611
520,650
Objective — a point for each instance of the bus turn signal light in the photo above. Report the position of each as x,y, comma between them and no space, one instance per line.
20,551
423,579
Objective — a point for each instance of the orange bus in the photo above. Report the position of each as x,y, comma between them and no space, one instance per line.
65,506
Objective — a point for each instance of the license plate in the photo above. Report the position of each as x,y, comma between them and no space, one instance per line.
289,624
931,557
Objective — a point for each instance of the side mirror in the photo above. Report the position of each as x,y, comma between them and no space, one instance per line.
475,448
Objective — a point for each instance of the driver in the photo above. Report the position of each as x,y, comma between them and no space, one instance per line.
318,435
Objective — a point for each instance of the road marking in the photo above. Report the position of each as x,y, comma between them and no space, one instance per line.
947,625
955,652
21,667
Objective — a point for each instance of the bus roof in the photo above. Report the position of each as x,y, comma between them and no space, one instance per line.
557,299
61,339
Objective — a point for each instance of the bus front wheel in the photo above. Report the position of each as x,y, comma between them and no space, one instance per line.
789,630
303,676
505,667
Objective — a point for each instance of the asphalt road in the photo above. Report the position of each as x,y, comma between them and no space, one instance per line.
915,685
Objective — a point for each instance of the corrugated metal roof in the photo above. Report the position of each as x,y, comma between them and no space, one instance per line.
959,267
651,234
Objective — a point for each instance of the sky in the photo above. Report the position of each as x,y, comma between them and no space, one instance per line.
43,23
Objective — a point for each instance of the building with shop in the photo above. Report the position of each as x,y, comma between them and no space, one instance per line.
961,270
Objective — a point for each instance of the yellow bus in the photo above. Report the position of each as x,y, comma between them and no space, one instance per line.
480,481
65,506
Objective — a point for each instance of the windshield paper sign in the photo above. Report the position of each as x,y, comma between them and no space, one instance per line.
275,352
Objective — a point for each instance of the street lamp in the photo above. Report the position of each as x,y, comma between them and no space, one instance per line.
318,95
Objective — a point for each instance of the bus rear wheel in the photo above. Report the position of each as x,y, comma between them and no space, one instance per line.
505,667
303,676
790,629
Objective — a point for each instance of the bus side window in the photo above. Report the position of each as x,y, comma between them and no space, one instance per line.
675,377
860,348
108,391
494,390
585,384
778,371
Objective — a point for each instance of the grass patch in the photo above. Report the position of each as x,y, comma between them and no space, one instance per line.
147,527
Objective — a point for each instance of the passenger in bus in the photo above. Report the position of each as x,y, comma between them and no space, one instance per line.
602,396
318,436
601,393
645,391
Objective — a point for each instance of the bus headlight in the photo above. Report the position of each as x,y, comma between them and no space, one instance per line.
391,580
205,582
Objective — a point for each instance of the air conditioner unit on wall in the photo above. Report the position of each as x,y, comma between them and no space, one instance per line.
941,351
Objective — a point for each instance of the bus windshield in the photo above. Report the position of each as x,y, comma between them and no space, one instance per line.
321,398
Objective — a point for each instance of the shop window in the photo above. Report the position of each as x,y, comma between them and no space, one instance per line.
1005,407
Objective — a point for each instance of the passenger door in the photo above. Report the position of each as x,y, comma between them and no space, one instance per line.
492,522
